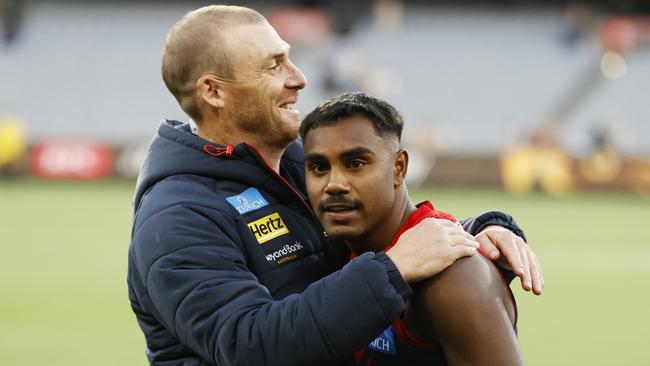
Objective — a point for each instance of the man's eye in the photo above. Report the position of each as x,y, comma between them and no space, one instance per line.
357,163
275,67
318,168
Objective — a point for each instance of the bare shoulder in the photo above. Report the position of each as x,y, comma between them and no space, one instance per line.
471,289
468,311
469,279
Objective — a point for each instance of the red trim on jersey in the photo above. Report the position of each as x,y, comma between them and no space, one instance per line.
358,355
401,330
425,210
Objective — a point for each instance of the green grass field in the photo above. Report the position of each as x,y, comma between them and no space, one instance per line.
63,274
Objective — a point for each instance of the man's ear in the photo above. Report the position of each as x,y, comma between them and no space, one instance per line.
210,91
400,166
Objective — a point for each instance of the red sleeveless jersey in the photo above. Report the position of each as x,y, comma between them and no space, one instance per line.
395,346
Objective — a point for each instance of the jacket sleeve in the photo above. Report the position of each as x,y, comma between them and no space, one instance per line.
480,222
204,294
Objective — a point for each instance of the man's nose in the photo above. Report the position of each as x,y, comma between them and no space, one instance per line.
337,183
296,79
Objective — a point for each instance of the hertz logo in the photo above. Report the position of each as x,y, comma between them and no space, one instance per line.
268,227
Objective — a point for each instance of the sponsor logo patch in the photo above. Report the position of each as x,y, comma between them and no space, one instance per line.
385,343
285,254
268,227
247,201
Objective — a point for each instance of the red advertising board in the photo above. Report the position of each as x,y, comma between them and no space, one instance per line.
72,159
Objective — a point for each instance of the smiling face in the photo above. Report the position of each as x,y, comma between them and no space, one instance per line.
261,99
355,180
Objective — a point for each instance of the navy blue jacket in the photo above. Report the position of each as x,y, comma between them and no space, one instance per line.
229,266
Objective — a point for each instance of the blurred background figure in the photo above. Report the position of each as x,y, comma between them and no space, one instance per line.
13,146
543,164
604,162
579,23
11,17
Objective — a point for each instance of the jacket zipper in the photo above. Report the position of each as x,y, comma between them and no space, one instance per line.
281,178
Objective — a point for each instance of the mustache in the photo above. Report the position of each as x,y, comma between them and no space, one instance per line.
339,201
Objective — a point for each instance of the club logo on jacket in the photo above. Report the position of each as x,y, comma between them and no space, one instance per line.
247,201
385,343
268,227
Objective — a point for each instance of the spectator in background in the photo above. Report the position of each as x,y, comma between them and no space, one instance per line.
604,163
227,263
12,145
542,163
11,19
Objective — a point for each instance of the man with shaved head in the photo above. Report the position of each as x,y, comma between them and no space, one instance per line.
197,46
228,264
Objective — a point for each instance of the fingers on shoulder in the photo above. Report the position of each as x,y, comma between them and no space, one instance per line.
462,250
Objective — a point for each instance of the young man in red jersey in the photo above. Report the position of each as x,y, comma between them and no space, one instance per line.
355,171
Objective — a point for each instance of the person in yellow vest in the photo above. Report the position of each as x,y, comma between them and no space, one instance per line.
543,163
605,163
12,144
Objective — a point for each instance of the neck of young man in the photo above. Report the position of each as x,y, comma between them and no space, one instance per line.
222,135
383,236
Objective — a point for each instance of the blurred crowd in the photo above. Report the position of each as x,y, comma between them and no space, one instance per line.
360,45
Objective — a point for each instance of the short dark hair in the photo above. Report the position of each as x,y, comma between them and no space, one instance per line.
385,118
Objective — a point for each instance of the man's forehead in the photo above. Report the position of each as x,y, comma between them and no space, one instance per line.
260,40
352,135
279,51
